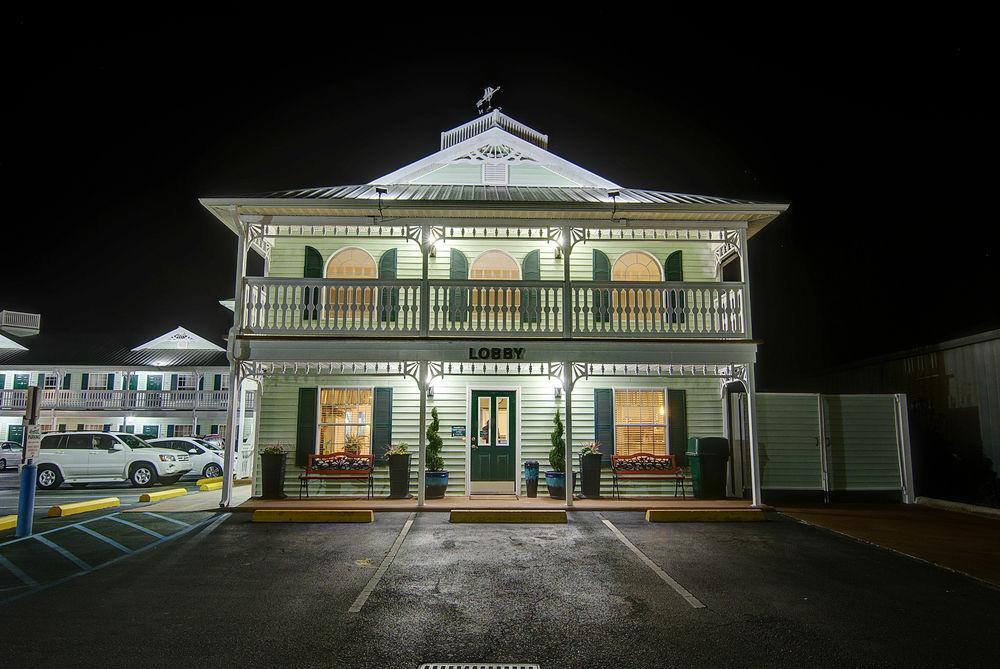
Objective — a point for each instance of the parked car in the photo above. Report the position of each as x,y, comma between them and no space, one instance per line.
10,455
206,457
79,458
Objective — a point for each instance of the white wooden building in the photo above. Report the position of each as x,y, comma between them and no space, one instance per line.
496,282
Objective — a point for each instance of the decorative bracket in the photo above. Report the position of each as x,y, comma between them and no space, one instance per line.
737,372
579,370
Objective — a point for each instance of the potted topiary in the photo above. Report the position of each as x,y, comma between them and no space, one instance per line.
435,476
398,456
555,480
590,470
272,471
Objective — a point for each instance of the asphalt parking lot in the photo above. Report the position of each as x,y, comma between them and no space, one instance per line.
233,593
44,499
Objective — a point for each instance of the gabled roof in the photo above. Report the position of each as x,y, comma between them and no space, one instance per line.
7,344
495,150
178,339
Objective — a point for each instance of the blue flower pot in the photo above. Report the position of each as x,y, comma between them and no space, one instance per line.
556,483
531,477
435,484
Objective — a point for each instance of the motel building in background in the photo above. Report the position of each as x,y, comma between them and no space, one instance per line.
498,283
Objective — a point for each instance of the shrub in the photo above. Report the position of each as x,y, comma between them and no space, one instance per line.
557,454
435,463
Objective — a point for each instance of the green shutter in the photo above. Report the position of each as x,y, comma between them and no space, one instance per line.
84,380
381,422
41,380
170,430
673,270
388,299
79,427
677,424
173,382
130,429
214,429
111,381
458,297
601,300
312,268
67,379
531,306
3,381
133,382
217,382
305,433
62,427
201,382
107,427
604,421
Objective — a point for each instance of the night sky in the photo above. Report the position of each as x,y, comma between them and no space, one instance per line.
878,145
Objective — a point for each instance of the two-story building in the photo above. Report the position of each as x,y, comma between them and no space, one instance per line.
176,384
496,282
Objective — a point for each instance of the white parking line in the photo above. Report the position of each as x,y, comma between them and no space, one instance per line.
382,568
688,597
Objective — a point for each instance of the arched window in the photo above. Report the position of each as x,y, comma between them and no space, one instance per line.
351,264
636,266
495,265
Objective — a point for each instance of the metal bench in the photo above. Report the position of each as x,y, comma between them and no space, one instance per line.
648,467
338,466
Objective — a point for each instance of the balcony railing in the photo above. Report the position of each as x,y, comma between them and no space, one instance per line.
128,400
479,308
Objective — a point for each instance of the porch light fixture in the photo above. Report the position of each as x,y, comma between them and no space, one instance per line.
559,243
558,392
613,194
381,190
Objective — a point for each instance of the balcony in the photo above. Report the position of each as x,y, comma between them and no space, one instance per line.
125,400
452,308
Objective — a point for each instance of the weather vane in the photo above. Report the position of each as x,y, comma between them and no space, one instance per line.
485,103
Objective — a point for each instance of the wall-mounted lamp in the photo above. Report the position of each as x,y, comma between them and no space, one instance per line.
381,190
433,253
613,194
558,392
430,391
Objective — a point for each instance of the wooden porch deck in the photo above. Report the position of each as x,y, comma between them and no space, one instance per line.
498,502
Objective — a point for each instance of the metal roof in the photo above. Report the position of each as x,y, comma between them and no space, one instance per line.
479,193
76,349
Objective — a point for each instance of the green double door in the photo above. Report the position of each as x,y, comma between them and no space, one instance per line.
493,435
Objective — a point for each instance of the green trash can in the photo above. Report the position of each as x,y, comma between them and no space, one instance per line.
707,457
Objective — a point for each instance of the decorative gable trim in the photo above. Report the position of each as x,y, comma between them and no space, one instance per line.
179,339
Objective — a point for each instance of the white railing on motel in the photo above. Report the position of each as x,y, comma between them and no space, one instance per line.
140,400
483,308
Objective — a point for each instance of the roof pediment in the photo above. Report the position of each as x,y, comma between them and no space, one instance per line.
178,339
494,156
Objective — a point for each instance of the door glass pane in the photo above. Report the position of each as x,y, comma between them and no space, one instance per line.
484,421
503,435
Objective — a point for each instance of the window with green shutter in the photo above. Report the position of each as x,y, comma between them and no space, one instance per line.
677,425
673,270
381,423
305,432
3,381
458,301
67,379
604,421
388,299
601,300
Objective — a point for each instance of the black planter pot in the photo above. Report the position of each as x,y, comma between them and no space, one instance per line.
272,475
531,477
435,484
399,476
590,476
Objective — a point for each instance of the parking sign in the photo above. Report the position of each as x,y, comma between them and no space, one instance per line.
32,442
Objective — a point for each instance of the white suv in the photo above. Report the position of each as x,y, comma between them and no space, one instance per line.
206,458
79,458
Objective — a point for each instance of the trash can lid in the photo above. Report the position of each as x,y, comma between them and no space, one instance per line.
718,446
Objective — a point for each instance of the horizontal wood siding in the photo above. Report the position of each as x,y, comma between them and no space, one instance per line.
538,404
863,448
788,439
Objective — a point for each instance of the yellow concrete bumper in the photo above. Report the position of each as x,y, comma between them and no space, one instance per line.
214,479
162,494
313,516
508,516
703,515
84,507
214,485
8,522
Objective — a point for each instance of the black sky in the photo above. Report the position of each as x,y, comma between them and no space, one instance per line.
879,145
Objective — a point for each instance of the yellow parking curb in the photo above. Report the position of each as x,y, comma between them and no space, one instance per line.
214,479
84,507
162,494
508,516
313,516
8,522
242,482
703,515
214,485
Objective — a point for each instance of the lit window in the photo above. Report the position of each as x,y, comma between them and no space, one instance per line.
636,266
97,382
93,427
495,266
640,422
51,382
344,413
187,382
183,431
351,263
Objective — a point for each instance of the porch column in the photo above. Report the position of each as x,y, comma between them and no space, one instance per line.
752,429
422,442
194,405
232,433
235,371
567,307
568,423
425,293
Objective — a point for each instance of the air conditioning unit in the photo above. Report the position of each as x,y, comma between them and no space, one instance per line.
19,323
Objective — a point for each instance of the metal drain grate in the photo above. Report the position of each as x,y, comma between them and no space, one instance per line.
477,665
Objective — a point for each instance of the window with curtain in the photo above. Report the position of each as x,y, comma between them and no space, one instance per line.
187,382
636,266
97,382
350,264
640,422
343,413
495,266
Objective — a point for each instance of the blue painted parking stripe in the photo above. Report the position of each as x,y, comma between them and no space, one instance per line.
119,519
65,553
167,518
14,569
103,538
